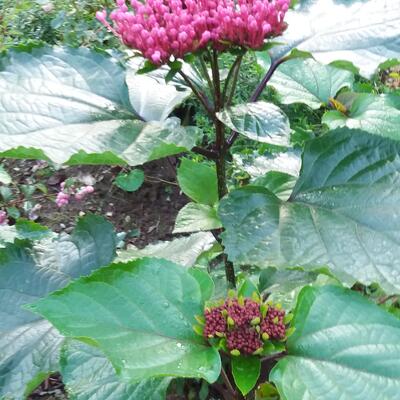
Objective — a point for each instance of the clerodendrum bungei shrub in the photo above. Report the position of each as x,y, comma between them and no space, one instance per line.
253,301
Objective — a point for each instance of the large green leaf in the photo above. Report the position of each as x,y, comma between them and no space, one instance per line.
344,213
306,80
344,347
151,97
365,32
377,114
140,314
196,217
198,181
260,121
29,345
72,105
257,165
279,183
88,375
184,251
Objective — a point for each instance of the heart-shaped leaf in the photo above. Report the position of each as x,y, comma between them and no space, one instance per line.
72,105
198,181
306,81
130,182
29,344
146,330
343,213
88,375
365,32
344,347
261,121
377,114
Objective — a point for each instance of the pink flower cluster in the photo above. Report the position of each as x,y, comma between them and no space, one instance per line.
160,29
65,195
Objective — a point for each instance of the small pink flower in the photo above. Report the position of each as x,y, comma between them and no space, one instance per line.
62,199
3,218
83,192
48,7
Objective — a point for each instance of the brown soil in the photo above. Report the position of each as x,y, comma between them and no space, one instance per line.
146,215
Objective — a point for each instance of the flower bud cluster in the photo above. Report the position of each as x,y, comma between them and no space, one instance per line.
244,324
65,195
160,29
273,324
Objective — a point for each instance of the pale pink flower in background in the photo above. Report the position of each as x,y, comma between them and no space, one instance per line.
48,7
3,218
66,194
83,192
62,199
161,29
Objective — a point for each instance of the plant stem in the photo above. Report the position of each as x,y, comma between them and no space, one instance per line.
200,95
257,93
233,73
221,150
206,74
210,154
228,384
219,129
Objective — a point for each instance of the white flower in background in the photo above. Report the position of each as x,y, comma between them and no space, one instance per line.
48,7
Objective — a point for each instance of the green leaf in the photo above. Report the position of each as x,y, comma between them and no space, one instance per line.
30,230
198,181
261,121
130,182
246,371
283,286
257,165
6,193
8,233
88,375
183,251
343,213
344,347
30,345
306,81
286,280
205,281
377,114
196,217
5,177
266,391
365,32
247,288
23,229
151,97
73,106
13,212
146,330
279,183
